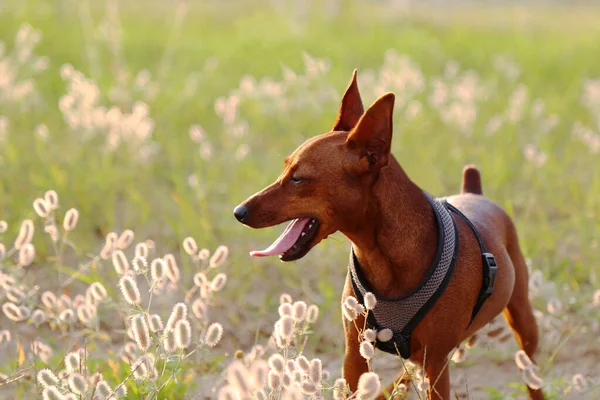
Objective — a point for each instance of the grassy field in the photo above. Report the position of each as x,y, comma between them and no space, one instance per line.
161,117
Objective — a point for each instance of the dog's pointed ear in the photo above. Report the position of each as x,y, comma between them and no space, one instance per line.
372,136
351,108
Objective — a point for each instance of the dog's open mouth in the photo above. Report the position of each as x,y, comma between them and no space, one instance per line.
294,242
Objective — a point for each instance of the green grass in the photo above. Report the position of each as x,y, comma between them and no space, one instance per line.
555,206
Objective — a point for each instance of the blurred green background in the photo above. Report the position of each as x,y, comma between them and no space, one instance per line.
233,87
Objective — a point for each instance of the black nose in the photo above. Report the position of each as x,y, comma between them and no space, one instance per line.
240,213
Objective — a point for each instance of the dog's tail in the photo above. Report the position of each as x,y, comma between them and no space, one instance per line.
471,182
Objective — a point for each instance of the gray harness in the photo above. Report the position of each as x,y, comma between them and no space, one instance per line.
402,314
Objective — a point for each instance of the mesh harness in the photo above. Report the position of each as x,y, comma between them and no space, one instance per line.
402,314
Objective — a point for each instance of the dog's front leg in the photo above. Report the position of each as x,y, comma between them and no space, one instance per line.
354,364
439,379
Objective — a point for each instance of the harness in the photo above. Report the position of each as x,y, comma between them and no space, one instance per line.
402,314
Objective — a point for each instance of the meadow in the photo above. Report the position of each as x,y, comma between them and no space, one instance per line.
129,132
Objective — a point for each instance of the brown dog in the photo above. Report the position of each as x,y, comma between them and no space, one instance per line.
347,180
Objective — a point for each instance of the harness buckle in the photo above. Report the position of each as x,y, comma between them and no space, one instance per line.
492,268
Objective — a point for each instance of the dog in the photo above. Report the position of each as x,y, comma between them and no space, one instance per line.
347,180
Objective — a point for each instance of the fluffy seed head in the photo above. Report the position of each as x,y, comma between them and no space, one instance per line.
41,208
157,268
140,332
370,301
228,393
531,378
312,314
169,342
213,334
274,380
351,302
38,317
51,198
77,383
52,231
359,309
130,290
2,250
285,309
472,341
291,366
25,234
580,384
260,370
139,264
103,389
141,250
238,376
67,316
72,361
522,359
385,335
120,262
303,363
286,328
368,386
316,371
190,246
52,393
12,311
219,257
366,350
183,334
86,313
179,312
370,335
340,387
15,295
595,298
26,254
121,391
203,254
171,268
285,298
200,279
277,363
218,282
71,219
459,355
125,239
155,323
308,387
5,337
47,378
3,226
98,291
349,313
288,379
299,311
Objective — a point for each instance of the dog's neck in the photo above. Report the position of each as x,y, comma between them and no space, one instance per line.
395,240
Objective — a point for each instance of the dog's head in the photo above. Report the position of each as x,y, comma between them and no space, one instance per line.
325,182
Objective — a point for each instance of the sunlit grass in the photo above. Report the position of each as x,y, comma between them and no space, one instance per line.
288,68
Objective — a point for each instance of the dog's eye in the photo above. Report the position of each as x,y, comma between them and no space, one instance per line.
295,179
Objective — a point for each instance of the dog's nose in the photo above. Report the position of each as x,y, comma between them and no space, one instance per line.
240,212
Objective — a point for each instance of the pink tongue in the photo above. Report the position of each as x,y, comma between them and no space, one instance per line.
285,241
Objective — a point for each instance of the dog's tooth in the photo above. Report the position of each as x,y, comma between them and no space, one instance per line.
302,234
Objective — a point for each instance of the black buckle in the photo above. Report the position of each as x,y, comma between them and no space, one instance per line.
492,267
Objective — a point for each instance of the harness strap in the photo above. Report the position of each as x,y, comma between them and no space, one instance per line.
490,268
401,339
